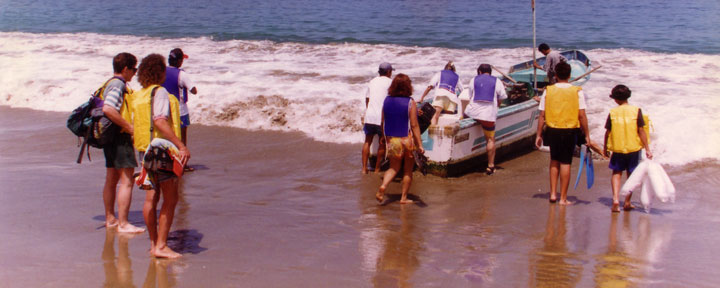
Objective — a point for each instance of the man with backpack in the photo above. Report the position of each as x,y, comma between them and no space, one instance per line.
119,153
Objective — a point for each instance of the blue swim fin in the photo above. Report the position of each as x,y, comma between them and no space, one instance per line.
590,171
580,167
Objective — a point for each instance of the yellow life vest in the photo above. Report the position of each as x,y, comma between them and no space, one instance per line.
142,117
124,111
624,137
562,107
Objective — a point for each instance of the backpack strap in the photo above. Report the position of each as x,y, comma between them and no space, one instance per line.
152,98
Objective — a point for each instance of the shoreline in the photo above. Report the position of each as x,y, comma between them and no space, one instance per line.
278,209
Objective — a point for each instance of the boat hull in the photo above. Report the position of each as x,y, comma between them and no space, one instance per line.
460,147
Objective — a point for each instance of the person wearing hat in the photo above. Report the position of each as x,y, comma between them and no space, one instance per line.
625,136
178,83
448,86
486,93
375,95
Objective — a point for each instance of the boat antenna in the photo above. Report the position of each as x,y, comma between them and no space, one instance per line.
533,49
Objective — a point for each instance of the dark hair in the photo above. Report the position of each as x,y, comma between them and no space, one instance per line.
620,92
543,47
401,86
383,72
562,71
122,60
176,56
152,70
484,68
450,66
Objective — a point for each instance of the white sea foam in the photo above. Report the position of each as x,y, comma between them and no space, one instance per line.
318,89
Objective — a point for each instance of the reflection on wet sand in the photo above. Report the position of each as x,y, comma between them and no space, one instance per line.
616,268
398,260
118,269
118,272
555,266
629,261
159,274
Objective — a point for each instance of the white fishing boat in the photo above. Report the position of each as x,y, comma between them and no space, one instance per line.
457,145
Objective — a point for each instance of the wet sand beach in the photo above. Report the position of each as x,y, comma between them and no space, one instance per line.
278,209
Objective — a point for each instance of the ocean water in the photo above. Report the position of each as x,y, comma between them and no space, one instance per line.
303,65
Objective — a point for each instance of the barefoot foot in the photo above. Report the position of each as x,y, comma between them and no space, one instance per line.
615,207
406,201
111,223
129,228
628,206
379,195
166,252
565,202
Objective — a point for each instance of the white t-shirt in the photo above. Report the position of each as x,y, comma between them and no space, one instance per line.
581,96
376,91
485,111
435,82
184,81
161,104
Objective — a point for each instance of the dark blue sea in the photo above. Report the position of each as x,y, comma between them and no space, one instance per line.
660,26
304,65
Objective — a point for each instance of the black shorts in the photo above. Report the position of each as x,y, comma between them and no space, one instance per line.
562,143
120,153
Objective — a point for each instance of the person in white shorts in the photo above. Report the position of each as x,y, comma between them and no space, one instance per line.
447,86
487,93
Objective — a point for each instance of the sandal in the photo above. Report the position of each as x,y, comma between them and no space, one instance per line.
490,170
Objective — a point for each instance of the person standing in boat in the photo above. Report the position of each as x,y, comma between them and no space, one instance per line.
486,92
562,109
402,133
375,95
178,83
552,58
447,87
625,136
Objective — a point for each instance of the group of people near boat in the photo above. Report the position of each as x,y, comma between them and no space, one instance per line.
155,112
391,114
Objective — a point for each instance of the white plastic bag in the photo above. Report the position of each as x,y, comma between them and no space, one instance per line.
636,179
646,195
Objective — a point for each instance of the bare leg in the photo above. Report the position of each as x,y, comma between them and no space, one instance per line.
366,153
388,177
407,177
436,116
628,205
150,215
565,183
554,173
183,133
491,152
615,183
111,179
380,154
169,190
124,198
